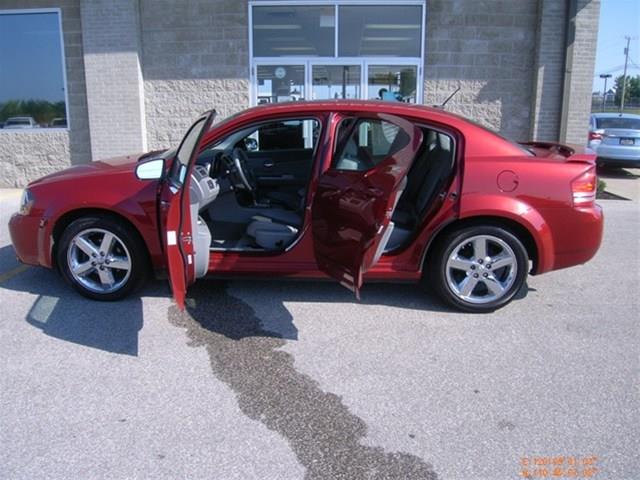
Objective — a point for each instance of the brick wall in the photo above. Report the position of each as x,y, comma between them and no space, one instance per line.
195,56
25,156
487,48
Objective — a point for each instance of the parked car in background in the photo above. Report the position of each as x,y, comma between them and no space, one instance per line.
20,122
58,123
615,138
359,191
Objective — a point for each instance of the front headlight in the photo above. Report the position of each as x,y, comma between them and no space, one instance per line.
26,202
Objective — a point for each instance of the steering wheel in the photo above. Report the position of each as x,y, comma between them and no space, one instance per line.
238,166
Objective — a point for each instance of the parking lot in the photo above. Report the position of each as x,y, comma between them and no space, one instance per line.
280,380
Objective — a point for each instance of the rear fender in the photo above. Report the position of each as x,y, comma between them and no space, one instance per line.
480,205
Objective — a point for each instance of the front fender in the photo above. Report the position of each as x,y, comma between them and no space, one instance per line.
139,209
517,210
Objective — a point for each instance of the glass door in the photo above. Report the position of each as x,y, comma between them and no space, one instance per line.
332,82
367,79
392,82
280,82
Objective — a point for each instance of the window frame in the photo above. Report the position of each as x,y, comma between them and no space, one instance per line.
58,11
309,61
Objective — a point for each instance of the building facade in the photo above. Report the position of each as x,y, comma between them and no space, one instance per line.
135,73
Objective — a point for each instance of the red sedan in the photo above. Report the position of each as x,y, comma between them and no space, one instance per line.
355,191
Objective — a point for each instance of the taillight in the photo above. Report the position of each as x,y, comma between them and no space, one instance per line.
584,188
595,135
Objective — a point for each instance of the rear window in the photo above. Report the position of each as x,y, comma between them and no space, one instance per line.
618,122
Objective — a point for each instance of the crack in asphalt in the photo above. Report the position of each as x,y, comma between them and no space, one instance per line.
321,431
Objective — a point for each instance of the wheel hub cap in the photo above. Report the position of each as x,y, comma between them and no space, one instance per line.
99,260
481,269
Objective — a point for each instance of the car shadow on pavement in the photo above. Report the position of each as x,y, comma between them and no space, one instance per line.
62,313
621,173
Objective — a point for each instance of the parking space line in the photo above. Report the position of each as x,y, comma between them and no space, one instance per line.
6,276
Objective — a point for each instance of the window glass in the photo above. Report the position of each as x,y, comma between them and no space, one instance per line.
293,30
618,122
394,83
293,134
364,143
179,167
285,135
32,88
335,81
380,30
280,83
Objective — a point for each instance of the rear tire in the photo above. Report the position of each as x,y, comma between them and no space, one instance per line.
102,258
477,269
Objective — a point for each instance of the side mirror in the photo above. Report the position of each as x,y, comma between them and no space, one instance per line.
150,169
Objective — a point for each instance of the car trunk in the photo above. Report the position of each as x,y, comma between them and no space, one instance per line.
620,136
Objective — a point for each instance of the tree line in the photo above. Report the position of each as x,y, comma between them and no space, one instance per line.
42,111
632,91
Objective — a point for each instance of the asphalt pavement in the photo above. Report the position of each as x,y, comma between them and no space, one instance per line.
289,380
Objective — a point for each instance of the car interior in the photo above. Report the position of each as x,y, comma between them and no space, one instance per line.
248,191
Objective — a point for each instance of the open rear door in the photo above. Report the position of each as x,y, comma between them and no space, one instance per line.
175,199
355,198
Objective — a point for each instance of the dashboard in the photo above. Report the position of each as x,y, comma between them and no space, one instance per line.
204,189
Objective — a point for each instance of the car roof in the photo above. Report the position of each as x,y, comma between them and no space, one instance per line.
399,108
20,118
615,115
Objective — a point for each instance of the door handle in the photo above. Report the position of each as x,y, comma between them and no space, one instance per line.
268,164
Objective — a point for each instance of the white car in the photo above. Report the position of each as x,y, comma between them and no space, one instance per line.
615,138
21,122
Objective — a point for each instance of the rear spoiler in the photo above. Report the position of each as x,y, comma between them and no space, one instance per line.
571,153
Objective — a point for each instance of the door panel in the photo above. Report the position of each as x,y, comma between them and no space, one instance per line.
176,199
355,198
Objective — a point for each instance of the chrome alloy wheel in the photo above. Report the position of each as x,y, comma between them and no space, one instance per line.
99,260
481,269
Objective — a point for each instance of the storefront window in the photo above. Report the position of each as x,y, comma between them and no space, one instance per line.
339,50
388,82
280,83
284,30
32,86
335,82
389,31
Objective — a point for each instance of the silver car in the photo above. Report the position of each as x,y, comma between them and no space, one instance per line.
615,137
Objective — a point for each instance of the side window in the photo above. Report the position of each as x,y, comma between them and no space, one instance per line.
364,143
283,135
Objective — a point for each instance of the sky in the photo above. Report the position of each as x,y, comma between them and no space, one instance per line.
30,57
617,19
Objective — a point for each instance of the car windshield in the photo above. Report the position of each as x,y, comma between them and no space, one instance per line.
18,122
627,123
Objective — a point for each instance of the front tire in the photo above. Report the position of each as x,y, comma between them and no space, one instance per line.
478,269
101,258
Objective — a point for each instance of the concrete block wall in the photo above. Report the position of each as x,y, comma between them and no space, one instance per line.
581,65
549,70
26,156
486,47
195,56
113,75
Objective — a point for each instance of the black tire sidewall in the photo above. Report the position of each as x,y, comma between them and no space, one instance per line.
438,261
135,246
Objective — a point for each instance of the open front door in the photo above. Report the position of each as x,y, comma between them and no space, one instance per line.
175,198
355,198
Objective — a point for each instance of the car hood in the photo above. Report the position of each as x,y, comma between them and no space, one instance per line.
124,165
